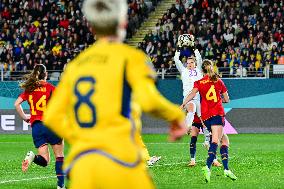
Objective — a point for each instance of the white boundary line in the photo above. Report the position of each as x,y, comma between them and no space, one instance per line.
178,163
169,164
27,179
15,142
48,177
166,143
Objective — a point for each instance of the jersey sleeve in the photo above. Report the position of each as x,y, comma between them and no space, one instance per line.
24,95
198,59
196,85
178,63
145,91
223,87
56,112
52,87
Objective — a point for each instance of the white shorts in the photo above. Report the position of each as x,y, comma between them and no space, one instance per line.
197,107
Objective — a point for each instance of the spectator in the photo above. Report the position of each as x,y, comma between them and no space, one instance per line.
30,30
150,48
246,29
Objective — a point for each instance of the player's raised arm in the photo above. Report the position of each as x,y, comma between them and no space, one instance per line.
142,80
198,59
178,63
56,110
196,52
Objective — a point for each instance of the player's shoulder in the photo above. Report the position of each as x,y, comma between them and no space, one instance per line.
204,80
198,71
130,51
115,49
48,86
136,57
24,92
220,81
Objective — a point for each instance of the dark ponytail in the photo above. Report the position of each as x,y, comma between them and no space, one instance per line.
32,80
207,69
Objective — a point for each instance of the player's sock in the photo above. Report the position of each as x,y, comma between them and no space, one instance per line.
211,154
59,171
41,161
193,147
189,118
224,156
206,135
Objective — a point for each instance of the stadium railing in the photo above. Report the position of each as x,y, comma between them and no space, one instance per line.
272,71
53,75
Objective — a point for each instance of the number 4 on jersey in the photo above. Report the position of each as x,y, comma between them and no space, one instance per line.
211,94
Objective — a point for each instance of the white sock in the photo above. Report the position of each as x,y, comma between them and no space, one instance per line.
189,118
206,135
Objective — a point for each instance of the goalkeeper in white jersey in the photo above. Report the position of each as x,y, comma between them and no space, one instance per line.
190,73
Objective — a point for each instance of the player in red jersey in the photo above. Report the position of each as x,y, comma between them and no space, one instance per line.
194,132
195,129
38,92
213,92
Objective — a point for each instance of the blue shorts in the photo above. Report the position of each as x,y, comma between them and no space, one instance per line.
197,125
215,120
42,135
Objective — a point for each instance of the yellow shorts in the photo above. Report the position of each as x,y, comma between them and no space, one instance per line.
145,153
96,171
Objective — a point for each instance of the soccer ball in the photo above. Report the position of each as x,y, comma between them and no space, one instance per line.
186,40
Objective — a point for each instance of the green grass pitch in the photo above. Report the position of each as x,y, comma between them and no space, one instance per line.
256,159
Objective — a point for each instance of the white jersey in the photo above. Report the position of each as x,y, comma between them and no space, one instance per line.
188,77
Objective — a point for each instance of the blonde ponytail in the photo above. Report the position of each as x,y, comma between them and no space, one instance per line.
207,69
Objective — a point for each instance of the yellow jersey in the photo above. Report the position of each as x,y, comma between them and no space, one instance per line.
136,114
91,110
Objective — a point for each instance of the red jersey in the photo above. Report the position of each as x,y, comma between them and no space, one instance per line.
211,101
196,119
38,100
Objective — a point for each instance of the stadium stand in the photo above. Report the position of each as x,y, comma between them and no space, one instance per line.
51,32
243,37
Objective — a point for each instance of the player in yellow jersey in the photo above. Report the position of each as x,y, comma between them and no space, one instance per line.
91,107
136,115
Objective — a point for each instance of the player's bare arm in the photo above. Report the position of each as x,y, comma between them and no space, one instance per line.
225,98
189,97
20,110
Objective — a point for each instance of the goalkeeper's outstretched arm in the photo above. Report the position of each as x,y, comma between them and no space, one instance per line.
198,59
178,63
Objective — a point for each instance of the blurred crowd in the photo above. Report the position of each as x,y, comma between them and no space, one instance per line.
50,32
242,37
